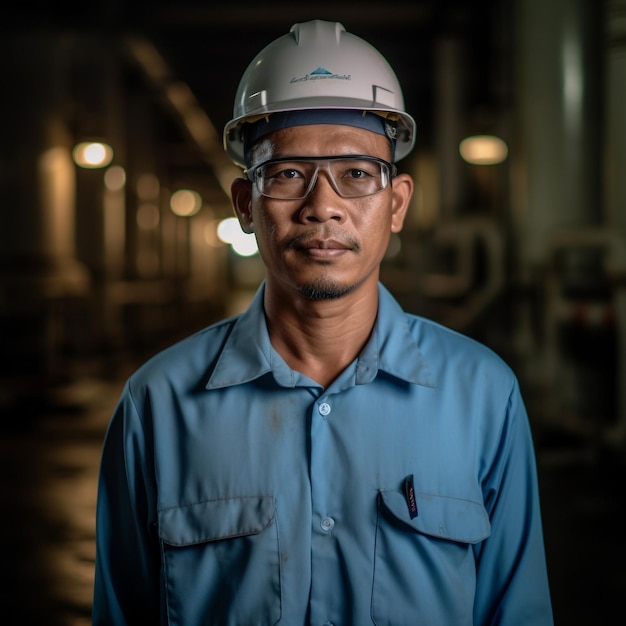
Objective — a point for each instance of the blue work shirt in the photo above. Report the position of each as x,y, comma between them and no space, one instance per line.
236,491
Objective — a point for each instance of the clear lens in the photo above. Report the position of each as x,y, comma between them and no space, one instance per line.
294,178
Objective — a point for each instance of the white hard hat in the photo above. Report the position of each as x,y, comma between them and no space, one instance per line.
318,65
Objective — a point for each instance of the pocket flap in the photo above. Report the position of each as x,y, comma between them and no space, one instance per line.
440,516
215,519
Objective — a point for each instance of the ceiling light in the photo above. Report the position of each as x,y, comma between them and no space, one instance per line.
483,150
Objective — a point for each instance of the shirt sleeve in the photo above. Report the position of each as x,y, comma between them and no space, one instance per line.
512,580
126,589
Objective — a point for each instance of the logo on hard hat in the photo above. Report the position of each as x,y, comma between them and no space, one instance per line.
321,73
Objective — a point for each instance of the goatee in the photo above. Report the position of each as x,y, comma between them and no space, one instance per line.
325,289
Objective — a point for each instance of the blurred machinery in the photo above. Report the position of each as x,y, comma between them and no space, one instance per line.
526,253
584,328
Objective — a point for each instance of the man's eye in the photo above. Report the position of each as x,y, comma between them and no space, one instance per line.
357,173
290,173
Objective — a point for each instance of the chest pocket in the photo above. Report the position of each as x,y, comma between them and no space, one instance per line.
221,562
425,565
439,516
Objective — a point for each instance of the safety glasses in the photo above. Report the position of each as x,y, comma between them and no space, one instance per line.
293,178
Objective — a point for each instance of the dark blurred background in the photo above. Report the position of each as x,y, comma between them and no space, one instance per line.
516,236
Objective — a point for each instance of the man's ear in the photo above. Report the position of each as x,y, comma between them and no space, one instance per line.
241,194
402,191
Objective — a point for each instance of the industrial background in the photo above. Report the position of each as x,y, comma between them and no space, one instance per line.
516,236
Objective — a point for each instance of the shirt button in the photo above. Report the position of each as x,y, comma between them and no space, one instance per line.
324,408
327,524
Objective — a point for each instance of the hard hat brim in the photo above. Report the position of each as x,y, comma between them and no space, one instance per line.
233,138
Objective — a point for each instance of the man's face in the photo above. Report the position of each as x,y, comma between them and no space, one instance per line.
323,246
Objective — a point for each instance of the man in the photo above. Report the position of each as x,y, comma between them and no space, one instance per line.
323,458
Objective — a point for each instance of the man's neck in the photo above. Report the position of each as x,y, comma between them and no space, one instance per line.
321,338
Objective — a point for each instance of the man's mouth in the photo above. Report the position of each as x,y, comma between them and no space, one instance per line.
323,244
314,244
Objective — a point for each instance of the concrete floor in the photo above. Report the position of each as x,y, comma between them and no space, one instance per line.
49,463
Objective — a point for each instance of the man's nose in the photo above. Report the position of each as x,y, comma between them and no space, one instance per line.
323,202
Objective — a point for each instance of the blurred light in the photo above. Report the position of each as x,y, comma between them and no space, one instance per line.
148,187
148,216
92,154
229,231
483,150
246,246
185,202
115,178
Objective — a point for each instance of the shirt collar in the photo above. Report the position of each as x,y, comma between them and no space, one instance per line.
248,354
392,347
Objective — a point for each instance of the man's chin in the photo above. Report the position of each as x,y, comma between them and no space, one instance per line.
325,290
